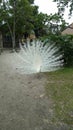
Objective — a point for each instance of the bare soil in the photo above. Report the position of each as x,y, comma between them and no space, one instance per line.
23,102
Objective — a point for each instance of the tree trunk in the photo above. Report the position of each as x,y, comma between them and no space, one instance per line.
1,43
13,43
13,37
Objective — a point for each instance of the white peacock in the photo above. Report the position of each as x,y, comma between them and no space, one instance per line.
39,57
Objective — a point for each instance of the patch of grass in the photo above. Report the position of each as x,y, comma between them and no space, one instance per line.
60,89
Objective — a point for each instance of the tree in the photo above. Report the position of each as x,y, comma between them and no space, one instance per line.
16,15
48,24
61,4
40,24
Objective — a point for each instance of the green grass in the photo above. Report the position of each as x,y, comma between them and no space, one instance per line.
60,89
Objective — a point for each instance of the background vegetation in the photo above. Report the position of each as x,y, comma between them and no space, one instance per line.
19,17
65,42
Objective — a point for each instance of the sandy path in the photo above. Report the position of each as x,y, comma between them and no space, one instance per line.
23,104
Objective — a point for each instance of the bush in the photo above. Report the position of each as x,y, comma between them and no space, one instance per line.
65,42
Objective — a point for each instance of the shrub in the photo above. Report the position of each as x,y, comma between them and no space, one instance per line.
65,42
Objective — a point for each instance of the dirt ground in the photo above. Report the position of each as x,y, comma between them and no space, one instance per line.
23,102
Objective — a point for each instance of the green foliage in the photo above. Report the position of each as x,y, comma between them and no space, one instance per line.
17,14
45,24
60,89
31,1
20,17
40,24
27,18
61,4
65,42
20,11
